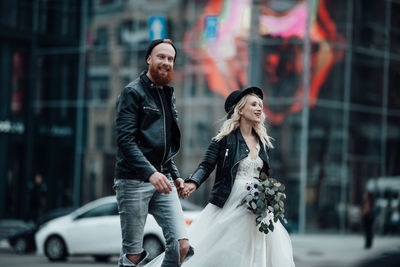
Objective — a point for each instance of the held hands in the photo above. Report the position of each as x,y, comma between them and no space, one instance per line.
162,185
184,189
188,189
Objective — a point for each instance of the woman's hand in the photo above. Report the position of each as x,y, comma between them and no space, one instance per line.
188,189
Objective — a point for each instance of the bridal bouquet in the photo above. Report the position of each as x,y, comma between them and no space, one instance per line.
265,199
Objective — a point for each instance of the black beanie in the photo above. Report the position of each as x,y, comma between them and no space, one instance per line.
156,42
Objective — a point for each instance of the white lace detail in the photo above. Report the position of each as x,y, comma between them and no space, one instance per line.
248,168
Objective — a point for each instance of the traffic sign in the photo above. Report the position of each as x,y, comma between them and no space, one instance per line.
157,27
211,26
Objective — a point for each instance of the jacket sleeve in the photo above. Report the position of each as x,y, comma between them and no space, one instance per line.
174,170
207,165
127,123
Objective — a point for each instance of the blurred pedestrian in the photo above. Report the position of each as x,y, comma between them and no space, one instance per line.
146,178
225,233
395,220
368,217
37,197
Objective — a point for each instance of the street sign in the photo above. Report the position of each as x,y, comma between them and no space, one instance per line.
211,26
157,27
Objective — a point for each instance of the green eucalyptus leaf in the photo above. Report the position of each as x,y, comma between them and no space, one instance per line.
271,192
249,198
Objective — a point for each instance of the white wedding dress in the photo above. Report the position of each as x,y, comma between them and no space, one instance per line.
228,236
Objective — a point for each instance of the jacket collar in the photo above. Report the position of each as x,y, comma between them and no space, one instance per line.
244,149
151,85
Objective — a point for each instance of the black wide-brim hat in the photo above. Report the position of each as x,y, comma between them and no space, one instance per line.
235,97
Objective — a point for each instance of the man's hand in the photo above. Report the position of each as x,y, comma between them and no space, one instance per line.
179,184
160,182
190,187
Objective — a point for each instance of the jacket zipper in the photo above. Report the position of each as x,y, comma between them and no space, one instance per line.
226,154
165,140
178,130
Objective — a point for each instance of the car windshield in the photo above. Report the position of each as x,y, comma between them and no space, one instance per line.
108,209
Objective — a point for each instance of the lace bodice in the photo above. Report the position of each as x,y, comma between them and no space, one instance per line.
247,168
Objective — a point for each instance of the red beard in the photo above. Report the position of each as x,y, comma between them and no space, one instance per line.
160,79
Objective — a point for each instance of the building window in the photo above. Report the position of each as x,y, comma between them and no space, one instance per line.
99,91
18,82
100,54
100,135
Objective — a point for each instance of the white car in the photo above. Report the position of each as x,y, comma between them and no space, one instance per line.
94,229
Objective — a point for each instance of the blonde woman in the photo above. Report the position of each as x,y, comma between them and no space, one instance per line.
225,234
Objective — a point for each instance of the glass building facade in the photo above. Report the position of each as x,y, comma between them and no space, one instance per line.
328,69
39,46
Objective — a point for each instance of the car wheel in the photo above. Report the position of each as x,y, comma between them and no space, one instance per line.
21,245
101,258
153,246
55,249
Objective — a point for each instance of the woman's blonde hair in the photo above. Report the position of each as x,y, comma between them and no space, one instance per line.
232,123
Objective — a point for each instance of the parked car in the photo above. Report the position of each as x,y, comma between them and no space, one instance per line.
22,240
94,229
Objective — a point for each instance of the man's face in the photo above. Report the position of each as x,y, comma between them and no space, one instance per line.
161,64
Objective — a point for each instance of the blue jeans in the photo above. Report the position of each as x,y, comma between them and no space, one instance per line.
135,200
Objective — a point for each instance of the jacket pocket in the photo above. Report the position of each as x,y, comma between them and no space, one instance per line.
148,108
150,116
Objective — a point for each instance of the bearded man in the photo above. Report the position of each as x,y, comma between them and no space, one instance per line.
146,178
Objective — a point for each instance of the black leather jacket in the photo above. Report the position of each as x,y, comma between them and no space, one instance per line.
140,130
226,154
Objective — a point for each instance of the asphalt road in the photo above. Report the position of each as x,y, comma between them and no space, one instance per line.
309,251
9,259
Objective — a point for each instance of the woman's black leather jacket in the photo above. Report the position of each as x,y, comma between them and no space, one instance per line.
226,154
140,127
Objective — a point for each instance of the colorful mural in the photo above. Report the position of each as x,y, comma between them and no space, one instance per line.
225,60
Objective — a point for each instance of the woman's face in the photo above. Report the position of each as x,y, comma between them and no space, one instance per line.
252,110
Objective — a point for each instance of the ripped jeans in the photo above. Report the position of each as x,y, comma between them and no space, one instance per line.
138,198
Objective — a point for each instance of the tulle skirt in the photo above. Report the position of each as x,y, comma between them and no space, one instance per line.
228,236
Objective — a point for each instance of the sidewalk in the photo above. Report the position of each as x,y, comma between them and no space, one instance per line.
324,250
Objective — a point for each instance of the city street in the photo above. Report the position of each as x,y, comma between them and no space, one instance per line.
322,250
312,250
